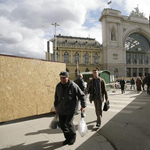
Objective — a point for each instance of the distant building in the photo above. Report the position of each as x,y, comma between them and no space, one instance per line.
80,54
126,43
125,49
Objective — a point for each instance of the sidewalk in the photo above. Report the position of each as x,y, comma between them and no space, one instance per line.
33,133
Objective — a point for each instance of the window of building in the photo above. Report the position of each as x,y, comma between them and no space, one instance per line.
128,59
134,72
116,73
66,57
128,72
140,72
95,58
86,58
146,71
76,57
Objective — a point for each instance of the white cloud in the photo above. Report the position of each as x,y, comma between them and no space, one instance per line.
25,23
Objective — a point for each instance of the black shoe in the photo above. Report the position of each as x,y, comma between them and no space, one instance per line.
65,142
98,125
71,142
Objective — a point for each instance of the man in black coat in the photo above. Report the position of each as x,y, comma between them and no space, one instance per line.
80,82
65,104
147,81
122,84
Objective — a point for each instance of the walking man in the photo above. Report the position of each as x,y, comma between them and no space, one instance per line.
65,104
80,82
97,89
132,83
122,84
147,80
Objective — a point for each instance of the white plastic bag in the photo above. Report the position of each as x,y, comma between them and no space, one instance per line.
82,127
54,122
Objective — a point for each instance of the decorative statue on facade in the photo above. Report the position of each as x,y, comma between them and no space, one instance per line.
113,34
137,13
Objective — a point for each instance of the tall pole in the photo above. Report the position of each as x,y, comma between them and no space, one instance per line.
55,24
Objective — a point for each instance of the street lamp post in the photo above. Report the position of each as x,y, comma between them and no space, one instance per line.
55,24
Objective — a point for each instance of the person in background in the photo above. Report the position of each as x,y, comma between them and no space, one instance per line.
65,104
80,82
122,84
97,90
147,81
143,82
138,84
132,83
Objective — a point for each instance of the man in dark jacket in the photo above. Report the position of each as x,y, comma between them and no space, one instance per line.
80,82
132,83
147,81
97,89
65,104
122,84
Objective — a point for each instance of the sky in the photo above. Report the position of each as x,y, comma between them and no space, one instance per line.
25,24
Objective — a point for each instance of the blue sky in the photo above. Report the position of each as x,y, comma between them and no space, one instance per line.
24,24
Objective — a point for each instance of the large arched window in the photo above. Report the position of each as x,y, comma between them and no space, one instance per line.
66,57
137,49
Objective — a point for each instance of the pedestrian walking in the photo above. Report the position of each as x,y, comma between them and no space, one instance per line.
80,82
122,84
147,81
65,104
138,84
143,82
132,83
97,90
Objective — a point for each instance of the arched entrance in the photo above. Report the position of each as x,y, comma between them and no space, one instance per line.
126,44
137,49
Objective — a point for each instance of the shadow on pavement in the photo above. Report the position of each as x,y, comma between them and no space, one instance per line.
37,145
128,131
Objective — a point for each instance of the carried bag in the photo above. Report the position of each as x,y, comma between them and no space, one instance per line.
54,122
82,127
106,106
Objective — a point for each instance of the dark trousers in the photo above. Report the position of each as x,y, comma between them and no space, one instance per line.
122,89
67,126
148,89
98,109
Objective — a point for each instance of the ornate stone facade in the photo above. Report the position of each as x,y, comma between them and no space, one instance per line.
125,49
126,43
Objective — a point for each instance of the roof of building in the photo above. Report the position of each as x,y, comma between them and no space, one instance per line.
76,41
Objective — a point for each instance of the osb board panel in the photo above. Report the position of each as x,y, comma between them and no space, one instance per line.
27,86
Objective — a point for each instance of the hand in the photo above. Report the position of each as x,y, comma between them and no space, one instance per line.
82,109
